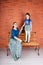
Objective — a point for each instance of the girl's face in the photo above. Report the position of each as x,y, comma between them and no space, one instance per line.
27,16
15,25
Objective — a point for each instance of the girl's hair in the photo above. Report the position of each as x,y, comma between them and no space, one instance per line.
13,25
28,15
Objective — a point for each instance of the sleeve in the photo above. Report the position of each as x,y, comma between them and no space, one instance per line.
12,33
18,31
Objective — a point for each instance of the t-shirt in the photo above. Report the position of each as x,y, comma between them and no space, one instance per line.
27,22
14,33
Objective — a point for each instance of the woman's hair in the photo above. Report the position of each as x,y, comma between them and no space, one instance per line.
28,15
13,25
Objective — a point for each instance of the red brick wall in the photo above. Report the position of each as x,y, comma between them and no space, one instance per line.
14,10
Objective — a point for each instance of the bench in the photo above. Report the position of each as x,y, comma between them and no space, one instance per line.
33,41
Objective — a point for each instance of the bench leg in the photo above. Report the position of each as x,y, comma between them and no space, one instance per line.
7,51
38,50
35,48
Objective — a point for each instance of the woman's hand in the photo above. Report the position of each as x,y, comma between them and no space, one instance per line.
17,39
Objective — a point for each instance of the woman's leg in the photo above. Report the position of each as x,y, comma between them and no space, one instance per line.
18,49
12,46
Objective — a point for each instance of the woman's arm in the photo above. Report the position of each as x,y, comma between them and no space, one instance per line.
17,39
22,28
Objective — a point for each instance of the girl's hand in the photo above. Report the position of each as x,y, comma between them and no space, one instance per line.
31,26
22,28
23,24
30,29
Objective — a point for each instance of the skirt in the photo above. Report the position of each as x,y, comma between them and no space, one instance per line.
15,48
27,28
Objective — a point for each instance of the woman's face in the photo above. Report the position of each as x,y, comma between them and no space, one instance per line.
27,16
15,25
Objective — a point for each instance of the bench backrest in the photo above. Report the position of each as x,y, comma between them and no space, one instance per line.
22,36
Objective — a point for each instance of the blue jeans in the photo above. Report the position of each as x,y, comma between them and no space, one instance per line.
15,48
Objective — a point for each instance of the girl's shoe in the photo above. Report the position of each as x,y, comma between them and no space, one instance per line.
25,41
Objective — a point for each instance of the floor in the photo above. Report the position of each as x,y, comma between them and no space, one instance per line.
29,57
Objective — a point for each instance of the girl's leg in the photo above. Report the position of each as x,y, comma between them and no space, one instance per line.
28,36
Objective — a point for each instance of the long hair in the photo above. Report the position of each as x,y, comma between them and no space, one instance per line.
28,15
13,25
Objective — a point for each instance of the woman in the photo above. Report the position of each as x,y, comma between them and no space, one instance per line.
15,44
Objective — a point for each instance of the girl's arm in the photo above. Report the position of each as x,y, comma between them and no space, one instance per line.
21,28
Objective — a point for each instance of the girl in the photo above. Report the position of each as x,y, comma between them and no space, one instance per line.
15,44
28,26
